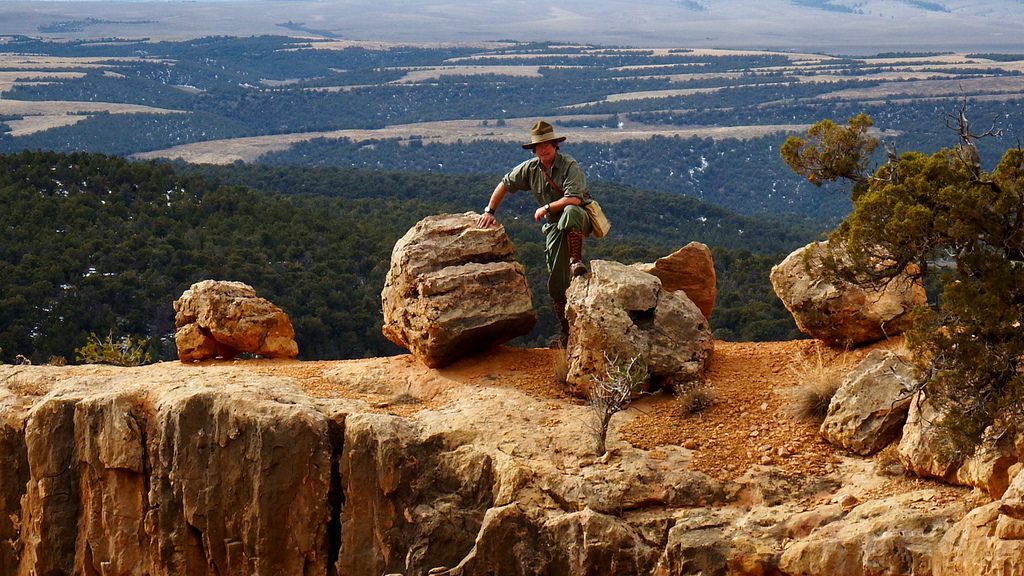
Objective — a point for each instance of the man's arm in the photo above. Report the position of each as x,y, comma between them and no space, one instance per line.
556,206
487,219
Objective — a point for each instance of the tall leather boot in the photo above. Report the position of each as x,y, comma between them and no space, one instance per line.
563,324
576,265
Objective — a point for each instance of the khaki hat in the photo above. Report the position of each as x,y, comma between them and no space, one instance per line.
542,132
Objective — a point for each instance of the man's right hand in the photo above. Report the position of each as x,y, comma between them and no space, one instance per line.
486,221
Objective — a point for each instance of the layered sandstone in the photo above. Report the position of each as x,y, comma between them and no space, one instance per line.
454,288
384,466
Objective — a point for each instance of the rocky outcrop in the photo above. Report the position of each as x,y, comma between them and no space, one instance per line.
171,479
217,319
989,540
454,288
617,313
429,498
1012,503
233,469
868,411
924,452
891,536
690,269
837,312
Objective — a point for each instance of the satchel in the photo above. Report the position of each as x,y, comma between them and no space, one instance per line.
599,224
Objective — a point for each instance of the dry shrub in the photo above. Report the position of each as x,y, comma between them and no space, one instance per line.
559,366
624,381
817,380
696,397
887,461
404,398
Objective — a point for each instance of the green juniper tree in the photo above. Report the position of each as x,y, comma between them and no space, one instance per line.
939,214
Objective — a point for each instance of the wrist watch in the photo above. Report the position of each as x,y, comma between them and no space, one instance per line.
489,210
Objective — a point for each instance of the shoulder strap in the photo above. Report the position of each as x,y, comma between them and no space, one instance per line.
550,181
586,193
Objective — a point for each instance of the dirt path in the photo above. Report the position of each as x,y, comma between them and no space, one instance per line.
750,423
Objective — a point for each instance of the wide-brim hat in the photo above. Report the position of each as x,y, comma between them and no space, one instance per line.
542,132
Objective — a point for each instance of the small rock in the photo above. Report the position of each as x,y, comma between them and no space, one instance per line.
691,444
848,501
766,461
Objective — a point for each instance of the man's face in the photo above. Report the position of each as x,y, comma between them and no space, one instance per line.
545,151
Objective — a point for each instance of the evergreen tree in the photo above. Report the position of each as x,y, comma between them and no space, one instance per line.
939,213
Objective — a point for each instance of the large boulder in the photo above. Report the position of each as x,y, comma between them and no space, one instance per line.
690,269
454,288
617,313
926,452
869,409
223,319
837,312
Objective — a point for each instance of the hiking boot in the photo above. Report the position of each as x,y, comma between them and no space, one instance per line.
576,265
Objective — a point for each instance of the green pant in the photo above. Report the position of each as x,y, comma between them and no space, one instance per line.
556,247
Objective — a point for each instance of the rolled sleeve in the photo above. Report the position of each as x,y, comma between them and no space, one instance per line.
575,183
518,178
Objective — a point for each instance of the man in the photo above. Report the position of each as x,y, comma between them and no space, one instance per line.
558,184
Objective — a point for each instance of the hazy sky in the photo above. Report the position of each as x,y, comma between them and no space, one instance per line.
962,25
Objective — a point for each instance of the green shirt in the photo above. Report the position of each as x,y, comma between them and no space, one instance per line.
565,172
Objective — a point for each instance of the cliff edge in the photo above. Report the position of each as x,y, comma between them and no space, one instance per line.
384,466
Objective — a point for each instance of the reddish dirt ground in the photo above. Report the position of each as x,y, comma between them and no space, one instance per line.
750,423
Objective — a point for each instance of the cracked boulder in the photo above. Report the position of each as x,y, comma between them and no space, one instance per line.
690,269
837,312
217,319
868,411
617,313
453,289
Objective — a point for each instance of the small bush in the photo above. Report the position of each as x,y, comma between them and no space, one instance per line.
888,463
403,399
125,351
612,394
696,398
816,383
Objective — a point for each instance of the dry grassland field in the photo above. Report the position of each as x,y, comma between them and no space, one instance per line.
793,69
894,76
